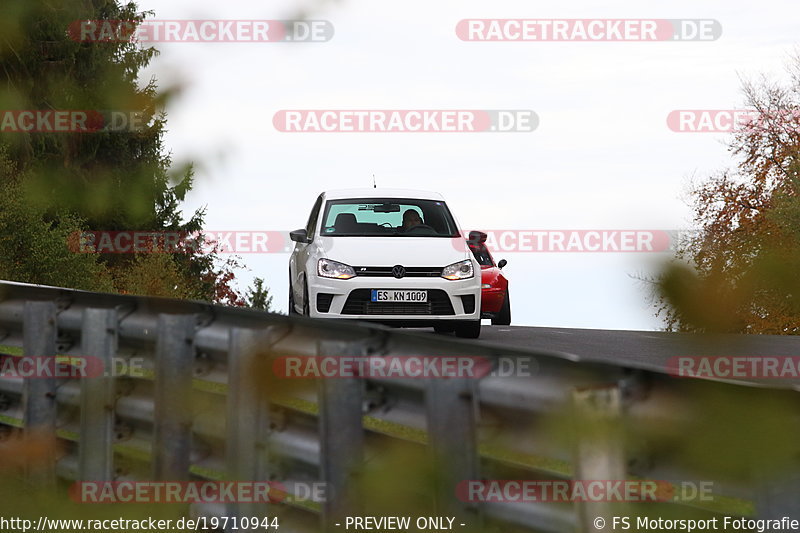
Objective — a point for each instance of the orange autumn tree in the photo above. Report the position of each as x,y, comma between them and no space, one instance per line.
740,272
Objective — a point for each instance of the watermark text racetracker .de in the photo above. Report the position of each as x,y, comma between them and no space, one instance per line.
401,367
205,491
268,241
731,120
588,30
132,242
201,31
70,121
405,120
710,120
582,490
68,367
735,367
574,240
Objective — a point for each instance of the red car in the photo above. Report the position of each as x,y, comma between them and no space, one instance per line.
495,302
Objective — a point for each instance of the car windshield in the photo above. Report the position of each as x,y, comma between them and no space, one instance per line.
387,217
481,253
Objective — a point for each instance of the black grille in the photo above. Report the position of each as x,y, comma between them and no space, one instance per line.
358,303
324,302
411,272
397,308
469,303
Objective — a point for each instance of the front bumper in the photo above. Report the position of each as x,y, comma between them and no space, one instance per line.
447,300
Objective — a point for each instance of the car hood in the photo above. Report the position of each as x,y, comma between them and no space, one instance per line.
390,251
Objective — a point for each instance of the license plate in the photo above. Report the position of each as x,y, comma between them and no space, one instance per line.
399,296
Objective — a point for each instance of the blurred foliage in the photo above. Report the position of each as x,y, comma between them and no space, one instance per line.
103,180
738,274
33,242
21,498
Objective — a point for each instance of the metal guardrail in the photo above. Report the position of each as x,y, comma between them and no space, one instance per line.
200,411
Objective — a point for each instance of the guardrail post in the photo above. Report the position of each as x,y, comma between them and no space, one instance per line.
451,408
341,437
39,392
599,451
247,414
173,397
98,342
777,498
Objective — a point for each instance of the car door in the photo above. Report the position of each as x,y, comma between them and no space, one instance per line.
297,266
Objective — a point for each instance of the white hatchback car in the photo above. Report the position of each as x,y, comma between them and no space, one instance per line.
388,255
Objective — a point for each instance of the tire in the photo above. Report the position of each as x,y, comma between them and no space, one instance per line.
444,328
469,330
503,318
292,310
306,304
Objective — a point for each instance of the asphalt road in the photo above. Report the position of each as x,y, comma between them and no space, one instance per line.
641,348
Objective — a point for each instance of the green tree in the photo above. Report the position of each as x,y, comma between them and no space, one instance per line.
739,272
258,297
104,180
36,249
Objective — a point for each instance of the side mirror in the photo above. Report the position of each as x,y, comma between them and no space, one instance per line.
477,236
299,235
502,263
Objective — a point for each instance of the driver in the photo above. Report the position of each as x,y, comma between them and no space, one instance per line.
411,218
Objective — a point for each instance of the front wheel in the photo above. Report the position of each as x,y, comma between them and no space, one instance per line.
469,330
292,310
306,304
503,318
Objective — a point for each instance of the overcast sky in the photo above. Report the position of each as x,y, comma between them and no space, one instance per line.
602,156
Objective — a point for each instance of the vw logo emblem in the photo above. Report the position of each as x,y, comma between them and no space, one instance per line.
398,271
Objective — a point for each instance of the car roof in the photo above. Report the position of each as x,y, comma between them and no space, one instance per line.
340,194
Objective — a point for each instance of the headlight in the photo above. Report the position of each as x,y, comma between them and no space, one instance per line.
333,269
460,270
